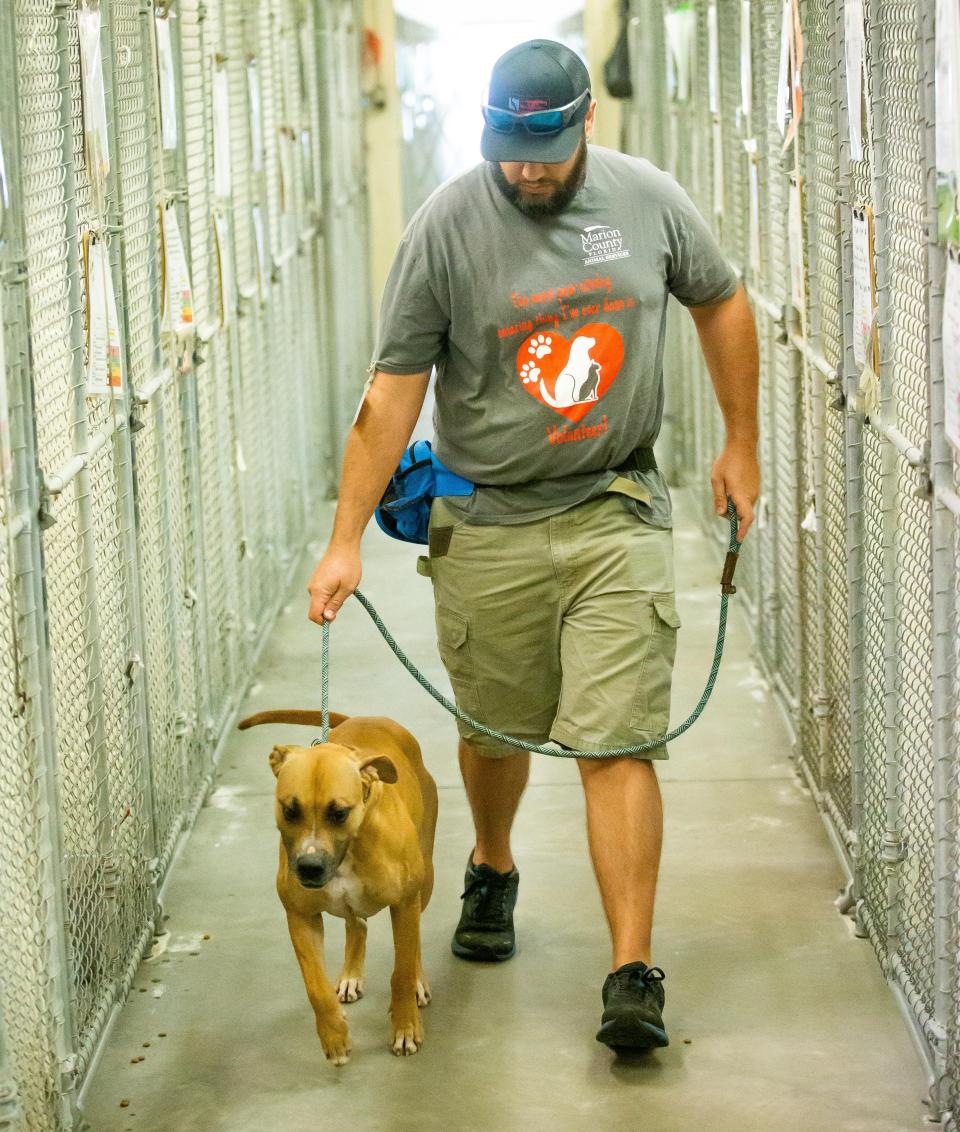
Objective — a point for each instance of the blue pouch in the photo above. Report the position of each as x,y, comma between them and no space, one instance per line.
404,511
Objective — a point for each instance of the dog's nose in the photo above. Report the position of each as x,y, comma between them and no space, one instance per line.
314,869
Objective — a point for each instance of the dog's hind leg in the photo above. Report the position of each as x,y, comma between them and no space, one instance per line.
350,983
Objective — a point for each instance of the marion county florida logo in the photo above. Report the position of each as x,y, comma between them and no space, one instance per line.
601,242
570,375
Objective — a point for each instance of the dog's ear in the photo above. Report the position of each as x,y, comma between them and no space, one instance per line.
278,757
377,766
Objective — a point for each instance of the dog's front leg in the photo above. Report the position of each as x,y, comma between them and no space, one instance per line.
350,983
407,1027
307,938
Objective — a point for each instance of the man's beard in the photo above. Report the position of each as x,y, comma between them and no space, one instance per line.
557,201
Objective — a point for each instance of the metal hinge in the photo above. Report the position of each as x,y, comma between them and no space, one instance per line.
894,850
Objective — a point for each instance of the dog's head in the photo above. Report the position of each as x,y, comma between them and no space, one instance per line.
322,795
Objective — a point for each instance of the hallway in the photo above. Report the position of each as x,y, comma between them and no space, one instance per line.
778,1016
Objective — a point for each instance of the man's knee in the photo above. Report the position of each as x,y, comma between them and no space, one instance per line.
490,752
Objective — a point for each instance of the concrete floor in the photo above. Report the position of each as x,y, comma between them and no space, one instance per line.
778,1017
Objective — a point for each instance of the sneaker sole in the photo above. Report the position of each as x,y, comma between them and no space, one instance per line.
481,955
632,1033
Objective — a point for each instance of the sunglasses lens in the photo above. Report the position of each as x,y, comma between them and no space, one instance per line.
548,122
500,120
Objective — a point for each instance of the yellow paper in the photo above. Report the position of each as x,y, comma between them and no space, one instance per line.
951,347
97,317
864,288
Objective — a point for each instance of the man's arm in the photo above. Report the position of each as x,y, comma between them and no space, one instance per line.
728,338
374,447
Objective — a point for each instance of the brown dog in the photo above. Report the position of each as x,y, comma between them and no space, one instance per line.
357,817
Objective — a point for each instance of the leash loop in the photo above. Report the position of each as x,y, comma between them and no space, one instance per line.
726,589
325,685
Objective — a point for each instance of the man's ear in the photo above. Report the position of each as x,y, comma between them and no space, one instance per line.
278,757
377,766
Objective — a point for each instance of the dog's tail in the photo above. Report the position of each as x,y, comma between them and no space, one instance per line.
292,715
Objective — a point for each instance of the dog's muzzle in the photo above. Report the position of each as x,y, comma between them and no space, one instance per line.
314,870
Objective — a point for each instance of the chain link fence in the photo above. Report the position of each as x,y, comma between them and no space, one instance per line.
851,572
149,534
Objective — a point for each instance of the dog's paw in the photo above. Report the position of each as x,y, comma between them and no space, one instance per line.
335,1039
541,346
423,992
407,1027
529,372
349,990
407,1040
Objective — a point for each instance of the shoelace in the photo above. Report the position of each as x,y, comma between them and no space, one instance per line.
492,903
650,975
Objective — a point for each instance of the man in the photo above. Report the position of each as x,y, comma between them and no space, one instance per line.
537,284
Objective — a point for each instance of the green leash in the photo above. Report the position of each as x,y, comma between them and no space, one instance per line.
726,589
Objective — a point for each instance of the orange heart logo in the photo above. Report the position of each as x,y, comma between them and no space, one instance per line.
570,377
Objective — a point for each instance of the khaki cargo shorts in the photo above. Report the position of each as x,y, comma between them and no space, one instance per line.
560,629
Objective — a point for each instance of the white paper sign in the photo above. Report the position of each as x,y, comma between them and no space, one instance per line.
257,219
4,190
168,83
115,380
256,115
750,145
797,272
97,318
713,59
221,133
177,314
783,79
228,297
681,31
717,168
951,347
6,454
96,143
948,85
853,45
948,119
863,307
746,64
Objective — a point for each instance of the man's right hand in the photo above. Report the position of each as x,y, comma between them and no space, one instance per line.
336,577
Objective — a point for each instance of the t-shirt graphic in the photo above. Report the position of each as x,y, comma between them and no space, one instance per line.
571,375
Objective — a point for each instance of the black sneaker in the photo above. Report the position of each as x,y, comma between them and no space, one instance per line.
632,1004
485,930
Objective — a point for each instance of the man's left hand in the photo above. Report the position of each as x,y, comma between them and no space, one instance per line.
736,473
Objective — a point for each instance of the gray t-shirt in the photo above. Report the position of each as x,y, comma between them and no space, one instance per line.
547,334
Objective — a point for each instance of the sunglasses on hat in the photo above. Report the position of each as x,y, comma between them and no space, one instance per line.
539,122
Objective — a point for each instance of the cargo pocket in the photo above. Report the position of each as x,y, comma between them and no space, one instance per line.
651,705
453,638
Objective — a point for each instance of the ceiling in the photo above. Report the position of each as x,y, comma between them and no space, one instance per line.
442,12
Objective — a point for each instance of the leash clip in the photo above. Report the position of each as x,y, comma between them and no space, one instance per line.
729,565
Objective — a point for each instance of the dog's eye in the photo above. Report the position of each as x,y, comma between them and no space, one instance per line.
290,813
338,814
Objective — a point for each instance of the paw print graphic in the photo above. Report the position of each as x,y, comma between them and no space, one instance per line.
541,346
530,372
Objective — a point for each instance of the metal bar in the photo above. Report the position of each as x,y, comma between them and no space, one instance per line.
853,466
11,1111
813,356
948,498
58,483
914,455
160,380
770,308
892,848
945,538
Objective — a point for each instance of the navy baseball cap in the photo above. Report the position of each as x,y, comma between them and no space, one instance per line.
539,77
